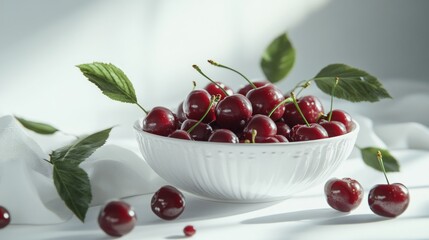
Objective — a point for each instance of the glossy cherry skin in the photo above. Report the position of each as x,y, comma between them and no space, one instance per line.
117,218
306,133
160,121
223,135
4,217
343,194
233,112
168,203
264,99
196,104
389,200
281,138
341,116
181,116
201,132
214,90
189,230
180,134
264,126
244,90
334,128
310,106
283,129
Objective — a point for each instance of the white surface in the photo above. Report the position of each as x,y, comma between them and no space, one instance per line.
244,172
305,216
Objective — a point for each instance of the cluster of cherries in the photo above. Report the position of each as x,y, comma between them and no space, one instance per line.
118,218
257,113
387,200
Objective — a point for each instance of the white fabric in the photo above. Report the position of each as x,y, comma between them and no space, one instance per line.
26,185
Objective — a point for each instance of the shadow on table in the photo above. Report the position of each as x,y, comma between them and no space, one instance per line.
311,214
200,209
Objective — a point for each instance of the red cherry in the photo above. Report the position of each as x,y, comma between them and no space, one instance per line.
334,128
264,99
180,134
343,194
389,200
343,117
244,90
168,203
233,112
283,129
223,135
160,121
306,133
4,217
214,89
189,230
117,218
264,126
196,104
310,106
180,114
272,139
281,138
201,132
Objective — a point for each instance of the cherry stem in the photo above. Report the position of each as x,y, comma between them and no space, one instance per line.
332,98
287,100
194,85
239,73
303,85
380,161
292,95
144,110
215,83
214,99
254,133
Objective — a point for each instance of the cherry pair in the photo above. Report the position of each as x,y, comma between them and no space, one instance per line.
388,200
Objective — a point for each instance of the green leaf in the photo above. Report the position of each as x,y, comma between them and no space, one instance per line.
41,128
278,59
369,156
73,186
354,84
111,80
81,148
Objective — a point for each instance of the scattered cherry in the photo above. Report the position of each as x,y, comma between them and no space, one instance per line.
4,217
168,203
343,194
117,218
160,121
388,200
189,230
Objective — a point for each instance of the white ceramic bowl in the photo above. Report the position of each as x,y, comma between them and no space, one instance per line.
244,172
